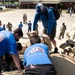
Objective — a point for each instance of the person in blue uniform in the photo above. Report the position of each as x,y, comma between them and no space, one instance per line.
20,25
8,45
29,26
36,58
48,21
9,60
1,28
4,28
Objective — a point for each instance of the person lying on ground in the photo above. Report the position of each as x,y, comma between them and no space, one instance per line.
36,58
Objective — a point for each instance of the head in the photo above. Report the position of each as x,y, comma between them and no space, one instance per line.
19,46
63,23
23,14
35,39
40,8
21,22
29,21
3,24
9,23
18,34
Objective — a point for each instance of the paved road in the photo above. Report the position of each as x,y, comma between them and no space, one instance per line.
15,16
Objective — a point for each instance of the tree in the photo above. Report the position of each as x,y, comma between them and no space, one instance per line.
12,1
2,1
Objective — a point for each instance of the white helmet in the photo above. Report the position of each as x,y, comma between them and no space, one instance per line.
39,7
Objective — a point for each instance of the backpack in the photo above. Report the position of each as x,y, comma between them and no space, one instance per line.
56,13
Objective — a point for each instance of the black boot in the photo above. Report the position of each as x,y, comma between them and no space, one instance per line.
56,50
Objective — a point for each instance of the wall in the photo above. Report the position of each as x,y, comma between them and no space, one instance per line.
32,3
67,5
38,0
67,0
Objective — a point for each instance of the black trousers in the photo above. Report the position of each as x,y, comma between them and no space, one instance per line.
45,69
0,64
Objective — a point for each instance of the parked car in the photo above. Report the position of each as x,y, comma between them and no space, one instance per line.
11,5
1,8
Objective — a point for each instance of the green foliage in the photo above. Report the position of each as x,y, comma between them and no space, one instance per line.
8,1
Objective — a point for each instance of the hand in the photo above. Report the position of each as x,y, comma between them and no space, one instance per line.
18,71
22,72
33,33
45,36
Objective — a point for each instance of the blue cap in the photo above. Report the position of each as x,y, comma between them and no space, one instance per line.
39,7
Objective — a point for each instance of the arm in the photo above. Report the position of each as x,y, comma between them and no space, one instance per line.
36,18
24,67
16,61
7,25
13,50
50,21
24,60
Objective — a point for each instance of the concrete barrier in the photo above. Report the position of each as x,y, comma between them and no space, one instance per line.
65,65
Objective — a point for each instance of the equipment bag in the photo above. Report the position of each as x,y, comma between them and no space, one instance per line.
56,13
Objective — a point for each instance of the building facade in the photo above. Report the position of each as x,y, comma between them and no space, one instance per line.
55,3
32,3
68,3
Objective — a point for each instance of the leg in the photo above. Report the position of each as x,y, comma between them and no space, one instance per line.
52,36
47,41
55,46
54,43
63,34
0,66
24,21
9,61
28,30
60,35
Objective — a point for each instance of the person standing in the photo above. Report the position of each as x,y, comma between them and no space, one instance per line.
9,26
4,28
48,21
1,28
0,23
20,25
36,58
8,45
29,26
70,11
62,31
24,19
